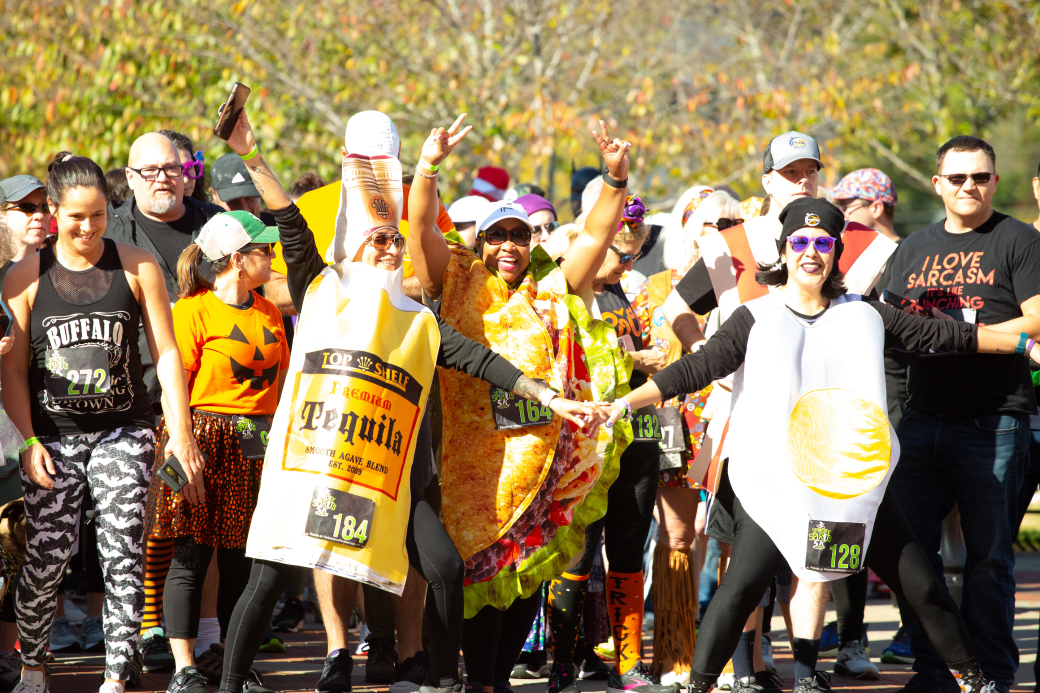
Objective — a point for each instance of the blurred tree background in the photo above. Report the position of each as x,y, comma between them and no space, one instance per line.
699,87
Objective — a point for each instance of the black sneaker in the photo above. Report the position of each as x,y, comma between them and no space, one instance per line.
412,673
335,675
382,661
133,677
769,681
636,680
593,668
820,681
187,680
748,684
291,619
561,679
156,652
210,664
531,665
254,684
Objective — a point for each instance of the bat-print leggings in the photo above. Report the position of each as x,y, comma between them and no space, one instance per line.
115,466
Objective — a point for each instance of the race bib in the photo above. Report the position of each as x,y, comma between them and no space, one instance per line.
253,433
340,517
671,424
645,426
835,547
511,411
76,373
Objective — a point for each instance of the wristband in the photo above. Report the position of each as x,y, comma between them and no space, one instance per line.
1030,343
547,395
429,167
29,443
1022,339
623,403
252,152
612,182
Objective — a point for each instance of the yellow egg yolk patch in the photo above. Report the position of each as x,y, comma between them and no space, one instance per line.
838,443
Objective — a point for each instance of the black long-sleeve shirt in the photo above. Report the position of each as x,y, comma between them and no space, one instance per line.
457,351
724,353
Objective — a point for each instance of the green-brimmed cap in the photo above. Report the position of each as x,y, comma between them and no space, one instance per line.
230,231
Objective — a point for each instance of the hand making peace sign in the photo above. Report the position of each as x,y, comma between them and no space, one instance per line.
440,142
615,152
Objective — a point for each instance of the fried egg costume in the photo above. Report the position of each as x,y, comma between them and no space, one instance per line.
335,490
810,448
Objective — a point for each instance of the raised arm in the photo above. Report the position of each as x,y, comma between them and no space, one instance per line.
426,246
586,254
244,144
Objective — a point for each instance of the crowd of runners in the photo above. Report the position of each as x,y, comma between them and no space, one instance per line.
494,434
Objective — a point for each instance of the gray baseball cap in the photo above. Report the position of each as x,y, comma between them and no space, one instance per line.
15,188
788,147
231,178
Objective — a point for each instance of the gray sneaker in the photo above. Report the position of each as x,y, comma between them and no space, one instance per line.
65,636
93,635
10,669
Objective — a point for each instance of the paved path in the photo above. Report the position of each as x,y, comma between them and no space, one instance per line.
298,669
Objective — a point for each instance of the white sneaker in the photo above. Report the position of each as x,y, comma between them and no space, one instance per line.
362,646
725,682
64,635
32,682
111,687
853,662
73,612
670,678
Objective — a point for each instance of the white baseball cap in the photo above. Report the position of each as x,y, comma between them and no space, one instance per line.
469,209
503,210
372,133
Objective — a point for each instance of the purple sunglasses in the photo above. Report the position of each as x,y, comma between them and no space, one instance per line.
195,167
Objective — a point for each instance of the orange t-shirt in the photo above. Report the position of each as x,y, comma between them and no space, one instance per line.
233,356
319,208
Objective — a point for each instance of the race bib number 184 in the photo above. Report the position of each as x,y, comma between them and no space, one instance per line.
340,517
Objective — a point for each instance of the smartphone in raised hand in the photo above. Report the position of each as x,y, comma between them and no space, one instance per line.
230,111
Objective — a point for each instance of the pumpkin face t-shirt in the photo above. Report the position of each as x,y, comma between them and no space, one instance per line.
233,355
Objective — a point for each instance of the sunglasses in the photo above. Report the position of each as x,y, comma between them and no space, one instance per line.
267,248
623,258
195,168
959,179
30,208
546,229
723,223
383,241
496,235
823,244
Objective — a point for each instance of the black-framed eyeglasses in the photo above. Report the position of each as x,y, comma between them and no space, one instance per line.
29,208
959,179
547,228
150,173
497,235
823,244
383,241
196,167
625,258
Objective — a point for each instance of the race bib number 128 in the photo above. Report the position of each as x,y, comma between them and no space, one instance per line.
835,547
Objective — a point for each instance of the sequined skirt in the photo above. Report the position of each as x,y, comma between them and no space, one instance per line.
232,486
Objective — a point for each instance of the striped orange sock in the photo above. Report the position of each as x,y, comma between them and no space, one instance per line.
625,611
158,554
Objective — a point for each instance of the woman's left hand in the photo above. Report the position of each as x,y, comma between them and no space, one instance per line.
615,152
183,446
441,142
242,140
587,415
6,344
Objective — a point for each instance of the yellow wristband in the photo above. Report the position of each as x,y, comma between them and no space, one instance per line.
429,167
252,152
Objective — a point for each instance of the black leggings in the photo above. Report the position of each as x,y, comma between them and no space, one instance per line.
850,600
894,555
630,509
432,554
182,600
492,640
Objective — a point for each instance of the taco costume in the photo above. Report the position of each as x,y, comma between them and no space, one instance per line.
519,486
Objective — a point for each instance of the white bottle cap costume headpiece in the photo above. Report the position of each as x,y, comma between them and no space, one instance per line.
371,196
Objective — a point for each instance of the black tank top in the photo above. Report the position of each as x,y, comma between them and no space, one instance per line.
85,367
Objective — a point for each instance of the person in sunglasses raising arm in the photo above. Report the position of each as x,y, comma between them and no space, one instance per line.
511,295
429,549
810,440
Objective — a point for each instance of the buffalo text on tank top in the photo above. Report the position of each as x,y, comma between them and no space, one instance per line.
85,368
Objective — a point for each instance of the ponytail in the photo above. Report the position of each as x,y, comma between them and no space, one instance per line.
66,172
190,280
